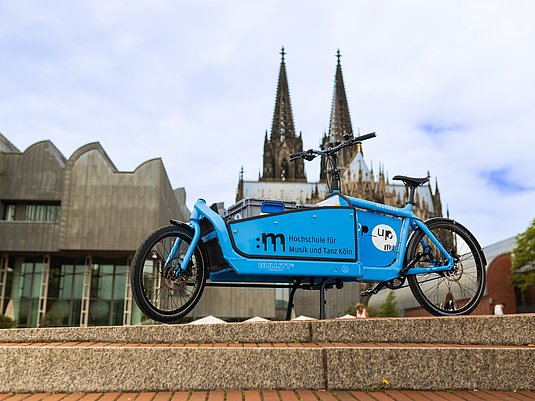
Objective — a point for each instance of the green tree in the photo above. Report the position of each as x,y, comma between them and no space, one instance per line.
350,311
51,319
6,322
523,269
388,308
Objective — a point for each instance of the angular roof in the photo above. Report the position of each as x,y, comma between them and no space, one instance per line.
6,146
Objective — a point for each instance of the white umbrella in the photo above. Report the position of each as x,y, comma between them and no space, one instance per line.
303,317
208,320
256,319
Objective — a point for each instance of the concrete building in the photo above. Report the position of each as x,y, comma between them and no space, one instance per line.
68,231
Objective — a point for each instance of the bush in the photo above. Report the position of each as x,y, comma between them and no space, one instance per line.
6,322
51,319
388,308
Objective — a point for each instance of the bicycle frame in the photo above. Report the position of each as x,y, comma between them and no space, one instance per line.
244,268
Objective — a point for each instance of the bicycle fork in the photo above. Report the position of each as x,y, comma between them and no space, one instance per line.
194,223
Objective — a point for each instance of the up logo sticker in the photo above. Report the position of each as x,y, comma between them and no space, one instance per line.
384,237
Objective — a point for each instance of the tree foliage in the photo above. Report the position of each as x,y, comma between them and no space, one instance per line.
6,322
51,319
388,308
523,269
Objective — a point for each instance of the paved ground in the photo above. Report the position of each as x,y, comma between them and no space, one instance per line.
271,395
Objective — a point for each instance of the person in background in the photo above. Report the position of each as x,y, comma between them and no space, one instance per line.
499,309
360,312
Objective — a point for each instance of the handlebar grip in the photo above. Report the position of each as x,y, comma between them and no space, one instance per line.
296,155
364,137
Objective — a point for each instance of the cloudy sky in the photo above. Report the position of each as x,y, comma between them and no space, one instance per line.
449,87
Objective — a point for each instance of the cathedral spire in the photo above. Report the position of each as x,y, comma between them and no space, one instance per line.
283,141
340,123
283,121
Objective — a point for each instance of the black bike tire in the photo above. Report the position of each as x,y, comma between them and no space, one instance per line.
136,275
479,261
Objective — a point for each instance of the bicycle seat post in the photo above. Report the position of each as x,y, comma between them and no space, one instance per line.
412,190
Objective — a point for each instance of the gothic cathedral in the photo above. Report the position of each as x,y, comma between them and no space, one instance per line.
282,179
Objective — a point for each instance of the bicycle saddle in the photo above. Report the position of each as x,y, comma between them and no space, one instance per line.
411,181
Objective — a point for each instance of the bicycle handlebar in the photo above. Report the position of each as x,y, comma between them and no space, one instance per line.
305,154
311,154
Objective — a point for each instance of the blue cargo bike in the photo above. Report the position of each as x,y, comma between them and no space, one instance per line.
341,239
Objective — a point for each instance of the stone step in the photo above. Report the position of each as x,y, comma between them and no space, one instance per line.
481,330
106,367
401,354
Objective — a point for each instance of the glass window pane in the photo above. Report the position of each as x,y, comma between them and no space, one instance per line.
43,213
106,282
66,281
120,282
10,212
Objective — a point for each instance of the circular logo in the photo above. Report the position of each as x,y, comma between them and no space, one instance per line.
384,237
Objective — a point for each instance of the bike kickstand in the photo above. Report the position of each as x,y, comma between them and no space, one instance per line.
373,290
291,299
322,298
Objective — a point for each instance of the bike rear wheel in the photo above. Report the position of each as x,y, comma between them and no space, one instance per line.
162,287
447,293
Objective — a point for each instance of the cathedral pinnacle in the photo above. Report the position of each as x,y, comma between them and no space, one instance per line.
340,124
283,139
340,127
283,123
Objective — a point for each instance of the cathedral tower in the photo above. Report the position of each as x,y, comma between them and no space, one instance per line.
340,122
283,141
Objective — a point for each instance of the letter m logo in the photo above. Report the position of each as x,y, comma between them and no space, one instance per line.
274,239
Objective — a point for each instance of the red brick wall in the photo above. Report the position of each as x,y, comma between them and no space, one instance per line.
498,285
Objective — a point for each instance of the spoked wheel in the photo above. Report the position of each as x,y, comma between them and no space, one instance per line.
164,289
447,293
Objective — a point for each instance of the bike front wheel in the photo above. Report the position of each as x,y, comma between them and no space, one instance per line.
447,293
162,287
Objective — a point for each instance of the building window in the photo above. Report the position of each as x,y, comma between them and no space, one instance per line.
9,214
282,297
49,213
32,212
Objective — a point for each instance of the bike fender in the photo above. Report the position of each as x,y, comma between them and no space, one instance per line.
479,249
202,210
180,224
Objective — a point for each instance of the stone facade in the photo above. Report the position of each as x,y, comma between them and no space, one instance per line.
69,228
